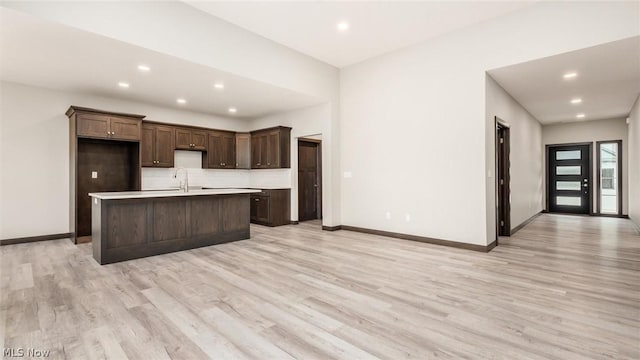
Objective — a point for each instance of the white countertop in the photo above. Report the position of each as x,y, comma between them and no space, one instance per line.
167,193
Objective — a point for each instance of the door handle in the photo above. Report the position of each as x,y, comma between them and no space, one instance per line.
315,185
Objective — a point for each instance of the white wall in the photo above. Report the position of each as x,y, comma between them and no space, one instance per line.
34,154
526,152
413,129
592,131
304,123
634,162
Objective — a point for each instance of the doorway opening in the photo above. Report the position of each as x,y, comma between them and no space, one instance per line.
569,178
609,177
503,179
309,179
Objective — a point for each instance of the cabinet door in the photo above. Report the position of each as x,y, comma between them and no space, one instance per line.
214,154
96,126
147,143
125,129
264,150
260,208
255,151
228,145
183,139
273,149
199,140
243,151
164,146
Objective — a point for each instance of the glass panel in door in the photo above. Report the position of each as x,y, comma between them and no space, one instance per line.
609,192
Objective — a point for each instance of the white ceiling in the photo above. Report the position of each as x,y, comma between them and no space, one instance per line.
40,53
608,82
375,27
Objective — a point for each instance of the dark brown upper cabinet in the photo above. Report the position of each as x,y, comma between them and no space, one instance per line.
95,125
221,153
270,148
243,151
191,139
157,145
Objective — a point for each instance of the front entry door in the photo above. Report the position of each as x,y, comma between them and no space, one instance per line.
569,172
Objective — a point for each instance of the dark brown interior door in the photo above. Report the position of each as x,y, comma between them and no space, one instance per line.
569,178
309,175
503,180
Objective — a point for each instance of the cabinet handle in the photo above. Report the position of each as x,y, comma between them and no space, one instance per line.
257,199
113,133
268,164
258,164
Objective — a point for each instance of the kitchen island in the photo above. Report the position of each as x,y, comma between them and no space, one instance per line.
135,224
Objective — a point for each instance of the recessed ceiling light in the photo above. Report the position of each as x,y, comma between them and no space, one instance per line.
123,84
342,26
218,85
233,110
570,75
181,101
580,116
143,68
576,101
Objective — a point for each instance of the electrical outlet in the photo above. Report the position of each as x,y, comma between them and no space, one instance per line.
388,215
94,174
348,174
407,217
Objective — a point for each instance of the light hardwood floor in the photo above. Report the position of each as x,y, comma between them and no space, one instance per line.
562,288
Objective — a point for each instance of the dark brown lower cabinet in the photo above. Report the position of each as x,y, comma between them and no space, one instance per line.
126,229
271,207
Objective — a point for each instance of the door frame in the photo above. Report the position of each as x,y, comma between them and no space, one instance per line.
318,174
619,173
503,193
547,175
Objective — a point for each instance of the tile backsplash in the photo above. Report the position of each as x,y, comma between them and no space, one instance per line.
157,178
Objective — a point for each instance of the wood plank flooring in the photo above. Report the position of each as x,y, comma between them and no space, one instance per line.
561,288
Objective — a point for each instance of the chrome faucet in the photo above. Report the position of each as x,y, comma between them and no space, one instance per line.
186,179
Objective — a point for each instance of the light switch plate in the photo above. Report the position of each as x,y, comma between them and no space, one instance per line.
348,174
94,174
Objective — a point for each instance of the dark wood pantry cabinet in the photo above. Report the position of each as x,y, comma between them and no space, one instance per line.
157,145
271,148
221,151
104,155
